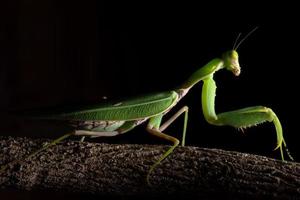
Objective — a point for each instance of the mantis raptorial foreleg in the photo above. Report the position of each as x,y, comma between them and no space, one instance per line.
242,118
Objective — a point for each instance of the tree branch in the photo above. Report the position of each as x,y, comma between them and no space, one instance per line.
110,169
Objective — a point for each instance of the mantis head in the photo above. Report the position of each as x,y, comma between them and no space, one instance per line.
231,62
231,58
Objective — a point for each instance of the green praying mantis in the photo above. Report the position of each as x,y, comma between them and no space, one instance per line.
111,119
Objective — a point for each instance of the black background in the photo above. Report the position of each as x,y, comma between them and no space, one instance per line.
63,52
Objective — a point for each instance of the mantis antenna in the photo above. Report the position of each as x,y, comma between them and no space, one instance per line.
237,38
242,40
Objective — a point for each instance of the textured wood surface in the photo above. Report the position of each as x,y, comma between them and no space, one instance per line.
120,170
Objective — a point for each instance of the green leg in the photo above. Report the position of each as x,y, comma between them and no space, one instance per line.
82,138
54,142
165,125
251,116
242,118
153,128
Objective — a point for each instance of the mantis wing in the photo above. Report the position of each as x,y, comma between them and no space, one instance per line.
135,108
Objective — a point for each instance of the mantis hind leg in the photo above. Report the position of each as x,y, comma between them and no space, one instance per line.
82,138
251,116
44,147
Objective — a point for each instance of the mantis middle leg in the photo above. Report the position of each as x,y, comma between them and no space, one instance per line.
242,118
156,129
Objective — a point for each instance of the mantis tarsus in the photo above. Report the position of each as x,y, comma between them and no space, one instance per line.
111,119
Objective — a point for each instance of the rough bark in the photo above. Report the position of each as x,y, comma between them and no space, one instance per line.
112,169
